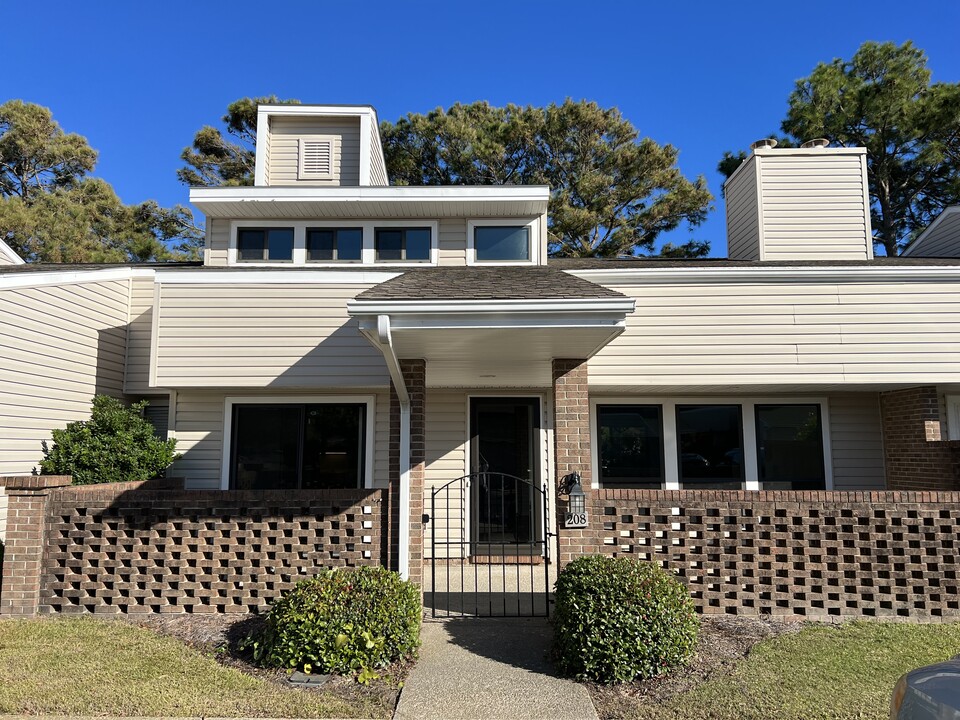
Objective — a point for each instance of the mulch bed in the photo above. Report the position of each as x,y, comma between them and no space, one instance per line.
219,636
724,641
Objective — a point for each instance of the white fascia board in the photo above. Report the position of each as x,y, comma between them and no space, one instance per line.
69,277
392,193
7,252
931,229
473,307
781,151
321,110
269,277
517,321
643,276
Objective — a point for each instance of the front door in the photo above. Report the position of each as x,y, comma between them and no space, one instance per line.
505,463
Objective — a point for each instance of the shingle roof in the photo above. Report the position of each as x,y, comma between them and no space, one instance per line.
656,262
486,283
76,267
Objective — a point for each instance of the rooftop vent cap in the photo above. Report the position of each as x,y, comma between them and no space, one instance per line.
765,143
816,143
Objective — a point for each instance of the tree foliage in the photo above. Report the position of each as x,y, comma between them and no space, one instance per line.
612,192
883,99
51,211
216,159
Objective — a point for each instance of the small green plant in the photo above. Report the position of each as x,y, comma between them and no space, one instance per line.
346,621
618,619
117,444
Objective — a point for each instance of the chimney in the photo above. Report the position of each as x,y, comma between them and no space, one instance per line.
806,203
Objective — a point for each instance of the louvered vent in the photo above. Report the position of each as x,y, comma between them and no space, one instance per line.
316,159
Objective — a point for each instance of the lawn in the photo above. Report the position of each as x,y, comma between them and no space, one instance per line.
90,666
823,671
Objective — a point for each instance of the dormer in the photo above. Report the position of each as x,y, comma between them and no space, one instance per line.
319,145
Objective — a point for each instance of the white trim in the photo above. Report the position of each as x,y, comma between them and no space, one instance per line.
931,228
373,193
40,278
272,277
322,110
781,273
368,254
366,122
533,239
154,335
747,403
781,151
231,400
7,252
263,140
866,205
761,220
953,417
445,307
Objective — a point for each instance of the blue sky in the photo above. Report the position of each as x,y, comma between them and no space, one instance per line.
139,79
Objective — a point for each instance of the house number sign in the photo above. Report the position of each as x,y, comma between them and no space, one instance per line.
575,519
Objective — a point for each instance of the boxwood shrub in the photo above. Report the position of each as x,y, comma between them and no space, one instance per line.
342,621
618,619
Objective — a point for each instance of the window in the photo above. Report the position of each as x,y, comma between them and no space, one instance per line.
790,447
630,445
399,244
291,446
265,244
501,243
710,447
341,244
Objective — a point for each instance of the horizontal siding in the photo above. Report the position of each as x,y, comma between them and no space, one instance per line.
285,133
743,214
452,243
61,346
378,170
218,242
813,207
944,241
794,333
284,336
198,428
856,442
446,434
137,378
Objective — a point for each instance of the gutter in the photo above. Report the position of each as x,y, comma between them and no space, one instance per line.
384,343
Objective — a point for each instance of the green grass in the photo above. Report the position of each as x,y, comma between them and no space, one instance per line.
836,672
88,666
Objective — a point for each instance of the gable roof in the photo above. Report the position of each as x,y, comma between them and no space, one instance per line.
940,239
487,283
6,252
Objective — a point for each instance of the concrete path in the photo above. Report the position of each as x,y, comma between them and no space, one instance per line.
489,668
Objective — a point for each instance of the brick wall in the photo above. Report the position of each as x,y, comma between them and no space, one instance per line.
818,555
916,456
571,406
415,377
143,547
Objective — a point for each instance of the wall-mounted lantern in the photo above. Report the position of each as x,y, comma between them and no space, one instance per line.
576,515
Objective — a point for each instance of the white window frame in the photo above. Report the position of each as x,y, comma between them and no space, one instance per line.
533,234
368,254
302,173
369,432
671,463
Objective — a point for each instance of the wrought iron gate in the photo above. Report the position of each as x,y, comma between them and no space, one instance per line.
490,550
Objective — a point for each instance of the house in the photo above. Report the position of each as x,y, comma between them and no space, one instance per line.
776,426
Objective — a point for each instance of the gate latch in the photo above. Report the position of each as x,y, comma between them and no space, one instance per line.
425,518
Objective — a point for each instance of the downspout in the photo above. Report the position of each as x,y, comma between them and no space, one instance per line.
385,345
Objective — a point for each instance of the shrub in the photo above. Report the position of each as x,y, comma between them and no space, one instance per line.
618,619
342,621
115,445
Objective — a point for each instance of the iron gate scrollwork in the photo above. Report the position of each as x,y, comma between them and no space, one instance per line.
490,550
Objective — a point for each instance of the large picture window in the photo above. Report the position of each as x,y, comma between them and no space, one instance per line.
265,244
630,446
292,446
710,440
494,243
790,447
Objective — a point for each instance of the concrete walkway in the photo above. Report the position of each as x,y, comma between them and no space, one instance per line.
480,668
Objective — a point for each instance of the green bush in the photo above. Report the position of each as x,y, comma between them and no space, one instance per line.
618,619
115,445
342,621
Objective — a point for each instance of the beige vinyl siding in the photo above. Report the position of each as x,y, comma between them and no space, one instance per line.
218,242
285,134
61,346
378,170
813,207
453,241
259,336
856,441
798,333
943,241
4,260
198,427
743,213
137,375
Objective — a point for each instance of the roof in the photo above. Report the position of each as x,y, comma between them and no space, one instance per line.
941,238
719,263
7,252
76,267
487,283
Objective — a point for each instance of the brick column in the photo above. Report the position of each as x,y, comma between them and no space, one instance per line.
414,376
915,455
27,499
571,433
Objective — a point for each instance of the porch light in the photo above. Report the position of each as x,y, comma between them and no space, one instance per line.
576,515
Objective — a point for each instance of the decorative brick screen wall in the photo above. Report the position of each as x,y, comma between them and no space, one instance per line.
139,548
916,456
818,555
